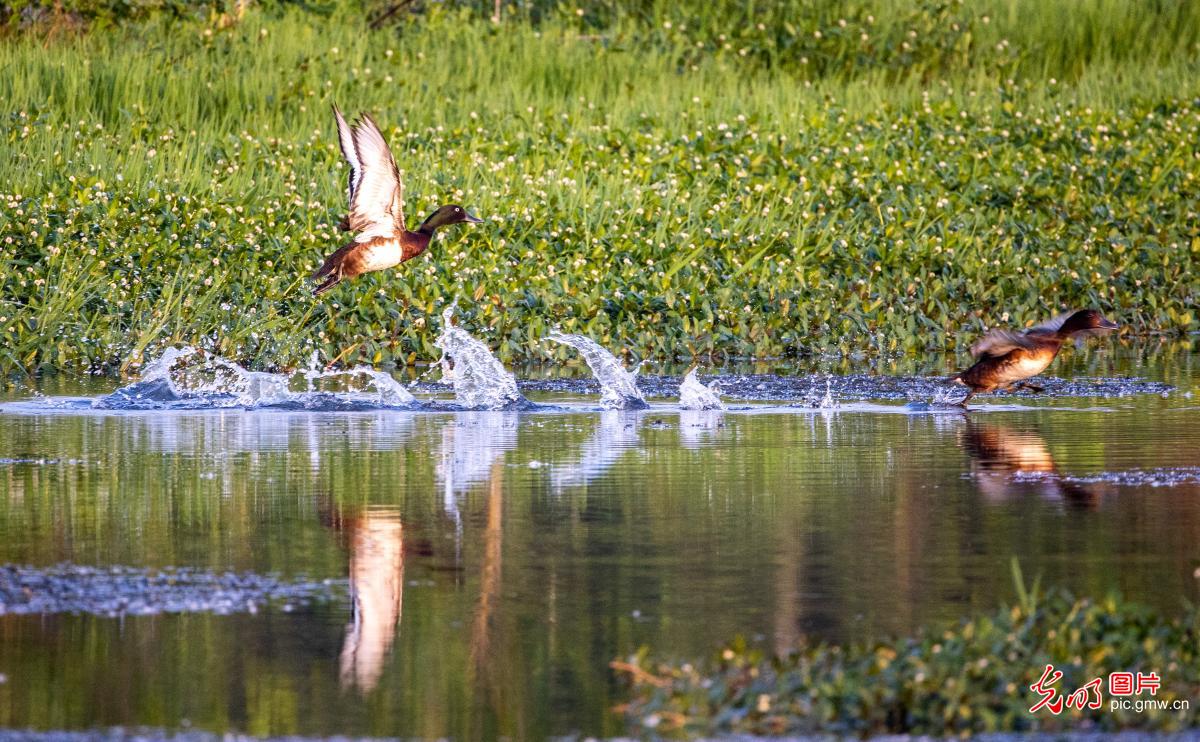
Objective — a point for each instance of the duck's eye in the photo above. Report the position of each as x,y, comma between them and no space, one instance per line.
457,210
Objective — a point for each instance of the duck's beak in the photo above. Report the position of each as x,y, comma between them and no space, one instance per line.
469,217
1107,324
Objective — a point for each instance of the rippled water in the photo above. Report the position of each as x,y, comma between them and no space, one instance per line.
484,567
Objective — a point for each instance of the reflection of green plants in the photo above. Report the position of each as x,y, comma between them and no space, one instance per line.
974,677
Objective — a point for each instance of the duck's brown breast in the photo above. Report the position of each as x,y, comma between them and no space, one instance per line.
1023,364
990,374
413,244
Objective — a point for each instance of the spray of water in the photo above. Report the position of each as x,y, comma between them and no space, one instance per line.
480,381
948,395
159,369
826,401
190,378
618,387
696,396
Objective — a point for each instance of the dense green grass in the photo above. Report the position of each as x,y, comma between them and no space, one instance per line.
972,678
787,188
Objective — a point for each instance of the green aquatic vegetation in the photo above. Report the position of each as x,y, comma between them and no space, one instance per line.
670,204
974,677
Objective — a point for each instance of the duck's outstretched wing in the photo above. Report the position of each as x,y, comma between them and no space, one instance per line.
346,142
377,200
1051,325
998,342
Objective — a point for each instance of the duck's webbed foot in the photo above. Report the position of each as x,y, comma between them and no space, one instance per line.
1031,387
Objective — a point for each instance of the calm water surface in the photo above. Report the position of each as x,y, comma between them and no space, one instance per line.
500,560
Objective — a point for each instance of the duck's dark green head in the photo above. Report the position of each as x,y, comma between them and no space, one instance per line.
448,214
1086,320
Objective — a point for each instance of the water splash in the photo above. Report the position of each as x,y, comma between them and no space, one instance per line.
249,388
156,386
948,395
826,401
480,381
189,378
618,387
696,396
159,369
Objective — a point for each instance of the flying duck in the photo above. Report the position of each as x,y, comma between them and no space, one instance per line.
1007,358
376,198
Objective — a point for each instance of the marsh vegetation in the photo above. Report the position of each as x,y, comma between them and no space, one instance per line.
841,176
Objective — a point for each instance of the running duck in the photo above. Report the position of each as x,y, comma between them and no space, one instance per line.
1007,358
376,198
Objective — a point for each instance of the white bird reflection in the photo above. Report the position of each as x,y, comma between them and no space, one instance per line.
471,449
377,587
616,433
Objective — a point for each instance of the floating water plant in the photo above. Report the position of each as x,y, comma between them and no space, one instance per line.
973,677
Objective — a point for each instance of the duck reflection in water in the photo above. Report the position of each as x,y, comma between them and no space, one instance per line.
1007,463
471,452
377,590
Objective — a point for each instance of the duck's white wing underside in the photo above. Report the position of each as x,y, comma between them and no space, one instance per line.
346,142
377,198
997,342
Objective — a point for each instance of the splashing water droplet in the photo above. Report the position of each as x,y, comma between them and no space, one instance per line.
828,402
824,402
391,392
948,396
696,396
160,368
480,381
618,387
216,383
